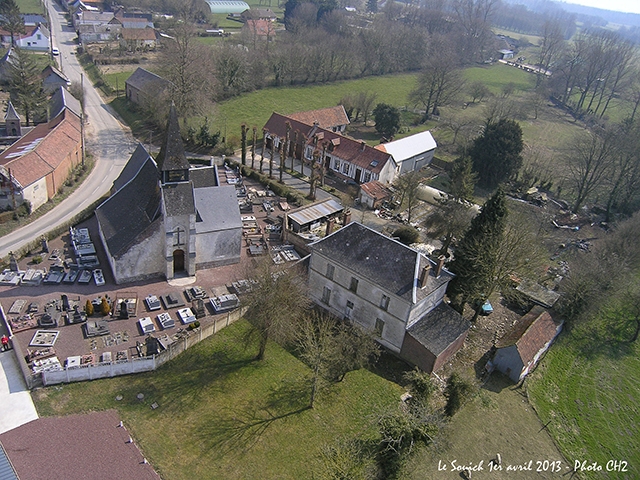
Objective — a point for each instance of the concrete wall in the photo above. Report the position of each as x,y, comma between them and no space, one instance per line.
507,360
366,301
143,260
218,248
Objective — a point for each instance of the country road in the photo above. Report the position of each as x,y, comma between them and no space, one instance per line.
110,143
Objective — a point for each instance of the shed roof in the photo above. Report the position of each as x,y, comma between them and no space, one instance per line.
375,190
142,79
410,146
227,6
439,328
315,212
531,333
138,34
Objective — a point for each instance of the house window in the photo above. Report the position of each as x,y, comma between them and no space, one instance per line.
384,303
379,327
367,177
330,271
326,295
39,37
345,168
354,285
336,164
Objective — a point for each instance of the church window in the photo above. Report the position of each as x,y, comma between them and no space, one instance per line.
179,236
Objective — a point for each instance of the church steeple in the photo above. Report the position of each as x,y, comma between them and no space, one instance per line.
172,160
12,121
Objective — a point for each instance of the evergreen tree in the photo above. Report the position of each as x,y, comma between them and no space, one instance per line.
387,118
463,179
457,392
25,85
372,6
10,18
477,255
496,154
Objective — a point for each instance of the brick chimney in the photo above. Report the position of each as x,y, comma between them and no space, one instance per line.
439,265
346,217
424,276
330,224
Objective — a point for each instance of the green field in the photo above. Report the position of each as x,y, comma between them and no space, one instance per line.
30,6
496,76
587,388
222,415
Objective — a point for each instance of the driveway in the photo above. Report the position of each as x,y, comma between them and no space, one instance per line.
17,406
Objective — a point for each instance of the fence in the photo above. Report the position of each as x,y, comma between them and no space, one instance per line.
124,367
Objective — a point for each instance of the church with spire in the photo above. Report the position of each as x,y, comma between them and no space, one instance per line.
166,218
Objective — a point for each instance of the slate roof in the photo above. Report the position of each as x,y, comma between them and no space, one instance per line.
178,199
133,166
410,146
11,112
172,156
51,70
40,152
142,79
530,333
325,117
131,210
381,260
6,469
61,99
203,177
88,446
218,209
439,328
375,190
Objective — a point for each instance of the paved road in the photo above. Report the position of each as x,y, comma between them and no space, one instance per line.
110,143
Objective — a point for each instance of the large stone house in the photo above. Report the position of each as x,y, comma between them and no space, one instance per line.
389,289
167,218
36,166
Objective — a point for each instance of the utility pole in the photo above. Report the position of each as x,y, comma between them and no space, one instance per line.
82,102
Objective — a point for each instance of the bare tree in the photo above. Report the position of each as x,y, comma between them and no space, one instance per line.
588,163
186,64
551,46
408,185
276,301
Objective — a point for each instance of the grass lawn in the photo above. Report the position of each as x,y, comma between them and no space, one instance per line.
222,415
496,76
255,108
588,388
498,420
116,80
30,6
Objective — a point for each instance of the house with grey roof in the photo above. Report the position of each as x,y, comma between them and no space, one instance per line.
166,218
142,84
390,290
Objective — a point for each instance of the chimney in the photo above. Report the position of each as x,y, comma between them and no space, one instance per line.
440,265
330,224
363,145
346,217
424,275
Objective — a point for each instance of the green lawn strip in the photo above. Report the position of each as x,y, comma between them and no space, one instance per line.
591,402
222,415
496,76
116,80
498,420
